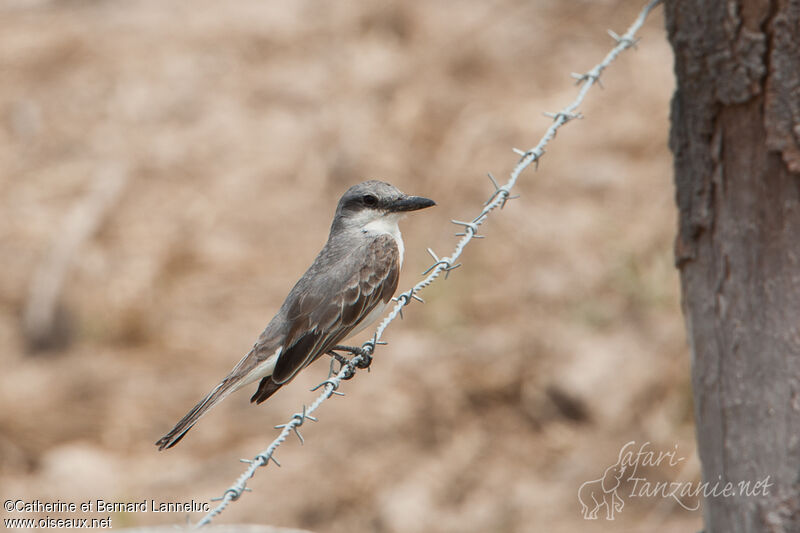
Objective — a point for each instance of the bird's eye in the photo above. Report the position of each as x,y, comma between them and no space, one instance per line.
369,200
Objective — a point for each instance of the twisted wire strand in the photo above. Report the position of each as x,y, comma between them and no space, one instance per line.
499,197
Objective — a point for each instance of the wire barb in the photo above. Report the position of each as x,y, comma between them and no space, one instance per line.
494,182
444,262
450,269
369,346
625,41
499,197
563,117
265,459
332,382
591,77
406,297
470,228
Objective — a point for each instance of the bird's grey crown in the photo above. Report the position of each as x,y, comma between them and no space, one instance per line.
354,198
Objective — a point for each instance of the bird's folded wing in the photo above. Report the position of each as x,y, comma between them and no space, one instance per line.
331,306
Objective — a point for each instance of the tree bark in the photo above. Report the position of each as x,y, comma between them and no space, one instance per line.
736,142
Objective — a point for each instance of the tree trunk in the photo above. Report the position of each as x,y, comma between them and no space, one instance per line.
736,141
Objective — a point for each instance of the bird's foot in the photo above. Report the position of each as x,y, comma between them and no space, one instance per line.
366,357
339,358
364,362
343,363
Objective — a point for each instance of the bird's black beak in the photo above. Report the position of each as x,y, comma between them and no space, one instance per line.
412,203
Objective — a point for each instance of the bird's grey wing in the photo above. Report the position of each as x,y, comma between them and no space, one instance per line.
330,309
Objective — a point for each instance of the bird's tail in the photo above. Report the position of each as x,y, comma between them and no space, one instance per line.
220,392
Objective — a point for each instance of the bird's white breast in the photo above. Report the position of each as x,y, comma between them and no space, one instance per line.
387,224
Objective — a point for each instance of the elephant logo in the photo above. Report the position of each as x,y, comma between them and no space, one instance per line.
602,492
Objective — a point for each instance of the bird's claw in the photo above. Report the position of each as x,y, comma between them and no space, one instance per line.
364,362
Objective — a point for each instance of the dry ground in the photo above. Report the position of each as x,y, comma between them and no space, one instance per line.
238,124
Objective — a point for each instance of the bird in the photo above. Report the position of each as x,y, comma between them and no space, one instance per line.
346,288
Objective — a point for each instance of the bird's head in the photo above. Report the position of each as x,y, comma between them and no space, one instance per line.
373,201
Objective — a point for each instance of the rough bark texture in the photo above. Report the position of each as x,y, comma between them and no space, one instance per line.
736,140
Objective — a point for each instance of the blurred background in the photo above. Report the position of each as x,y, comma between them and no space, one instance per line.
168,169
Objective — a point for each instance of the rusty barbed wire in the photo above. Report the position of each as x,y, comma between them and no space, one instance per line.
498,198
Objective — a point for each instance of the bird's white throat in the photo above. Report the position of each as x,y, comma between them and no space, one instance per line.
387,224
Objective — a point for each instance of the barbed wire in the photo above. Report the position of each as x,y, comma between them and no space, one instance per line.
498,198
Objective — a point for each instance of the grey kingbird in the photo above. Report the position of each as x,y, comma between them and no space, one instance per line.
344,290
